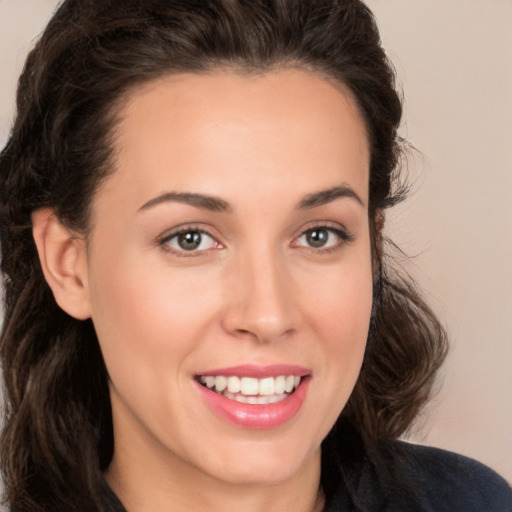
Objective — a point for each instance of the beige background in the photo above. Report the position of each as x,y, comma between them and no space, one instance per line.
454,60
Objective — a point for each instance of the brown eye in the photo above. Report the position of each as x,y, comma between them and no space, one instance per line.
191,240
317,237
322,237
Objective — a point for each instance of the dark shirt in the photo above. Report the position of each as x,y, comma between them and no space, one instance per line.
430,480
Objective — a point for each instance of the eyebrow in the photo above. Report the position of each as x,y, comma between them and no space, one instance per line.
211,203
328,196
216,204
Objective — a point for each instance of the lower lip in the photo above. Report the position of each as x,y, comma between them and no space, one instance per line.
258,416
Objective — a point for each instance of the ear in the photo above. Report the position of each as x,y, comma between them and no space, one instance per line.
63,259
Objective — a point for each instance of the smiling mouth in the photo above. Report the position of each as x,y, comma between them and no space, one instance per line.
250,390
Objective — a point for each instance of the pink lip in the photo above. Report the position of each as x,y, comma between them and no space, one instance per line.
256,416
259,372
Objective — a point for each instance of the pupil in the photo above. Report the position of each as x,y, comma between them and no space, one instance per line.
317,237
190,240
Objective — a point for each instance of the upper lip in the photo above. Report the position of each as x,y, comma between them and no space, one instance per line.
259,372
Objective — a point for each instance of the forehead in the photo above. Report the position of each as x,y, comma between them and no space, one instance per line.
214,131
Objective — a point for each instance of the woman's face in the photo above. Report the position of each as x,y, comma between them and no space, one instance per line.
231,247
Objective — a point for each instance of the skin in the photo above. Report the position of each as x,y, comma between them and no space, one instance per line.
255,292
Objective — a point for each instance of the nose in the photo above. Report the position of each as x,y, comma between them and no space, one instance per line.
260,300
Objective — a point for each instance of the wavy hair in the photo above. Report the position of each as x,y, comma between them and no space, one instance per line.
57,436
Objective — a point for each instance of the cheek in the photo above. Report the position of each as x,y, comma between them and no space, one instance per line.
351,333
342,301
149,327
341,315
146,319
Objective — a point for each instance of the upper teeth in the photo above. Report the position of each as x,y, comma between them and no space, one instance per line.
251,386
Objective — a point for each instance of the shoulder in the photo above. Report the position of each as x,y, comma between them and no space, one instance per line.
441,480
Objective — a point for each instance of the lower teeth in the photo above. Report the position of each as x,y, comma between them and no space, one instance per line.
255,399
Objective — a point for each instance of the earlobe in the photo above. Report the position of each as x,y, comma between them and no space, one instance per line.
63,261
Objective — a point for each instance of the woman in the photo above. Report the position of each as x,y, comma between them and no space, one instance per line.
198,314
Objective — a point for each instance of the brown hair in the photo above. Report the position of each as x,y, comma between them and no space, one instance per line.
57,438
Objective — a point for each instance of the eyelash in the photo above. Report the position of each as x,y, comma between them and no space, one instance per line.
165,240
343,238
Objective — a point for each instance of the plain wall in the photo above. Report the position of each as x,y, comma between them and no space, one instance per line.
454,61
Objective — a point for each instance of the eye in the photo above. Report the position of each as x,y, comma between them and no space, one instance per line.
190,240
322,237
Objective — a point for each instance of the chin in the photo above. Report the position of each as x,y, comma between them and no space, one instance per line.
262,464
